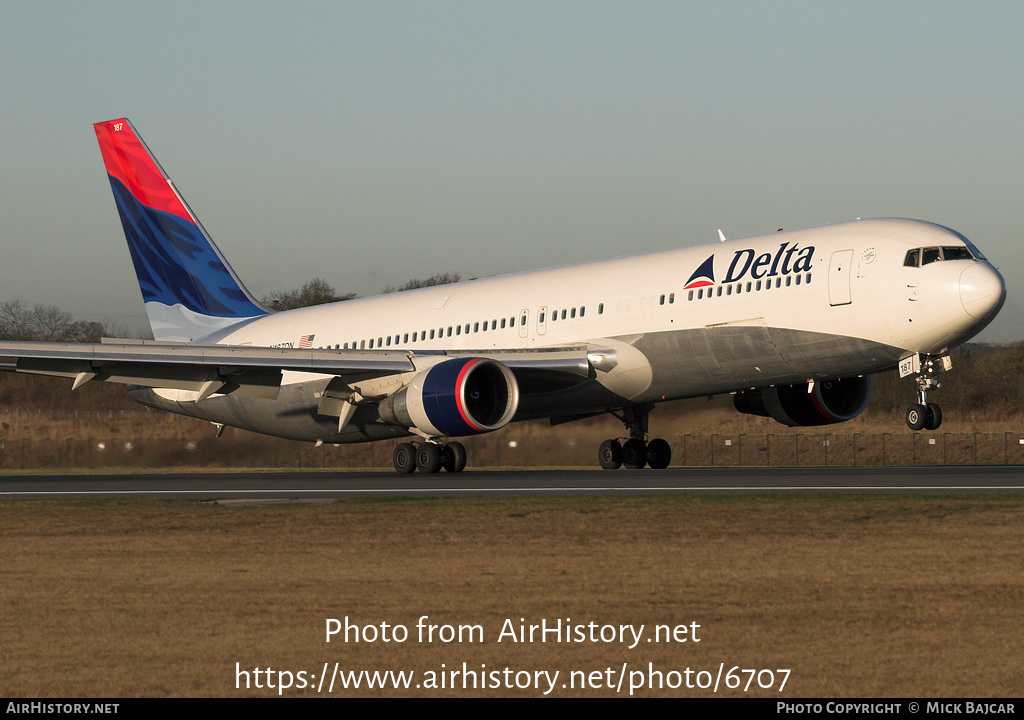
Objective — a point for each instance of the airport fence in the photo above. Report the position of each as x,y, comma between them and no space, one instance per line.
533,449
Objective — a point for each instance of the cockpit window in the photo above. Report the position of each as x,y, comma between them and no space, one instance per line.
956,253
922,256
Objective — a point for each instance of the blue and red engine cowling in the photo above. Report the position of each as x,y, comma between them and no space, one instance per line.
829,401
464,396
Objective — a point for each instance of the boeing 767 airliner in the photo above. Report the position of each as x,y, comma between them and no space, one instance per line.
792,323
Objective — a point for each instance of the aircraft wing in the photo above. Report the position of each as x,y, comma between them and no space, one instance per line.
256,371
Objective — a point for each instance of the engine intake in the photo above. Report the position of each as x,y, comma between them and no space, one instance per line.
831,401
465,396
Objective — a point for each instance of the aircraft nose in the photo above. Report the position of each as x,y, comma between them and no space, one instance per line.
982,290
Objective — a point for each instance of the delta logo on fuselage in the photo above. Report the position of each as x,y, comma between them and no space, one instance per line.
747,261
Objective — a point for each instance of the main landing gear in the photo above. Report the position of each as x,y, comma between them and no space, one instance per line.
430,457
924,415
635,453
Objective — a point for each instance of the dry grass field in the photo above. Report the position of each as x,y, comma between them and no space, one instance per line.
856,595
701,433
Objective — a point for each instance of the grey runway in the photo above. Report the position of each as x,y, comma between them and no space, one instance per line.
327,485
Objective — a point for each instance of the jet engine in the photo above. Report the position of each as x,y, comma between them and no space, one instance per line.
464,396
829,401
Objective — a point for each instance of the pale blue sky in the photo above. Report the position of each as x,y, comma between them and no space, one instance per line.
369,143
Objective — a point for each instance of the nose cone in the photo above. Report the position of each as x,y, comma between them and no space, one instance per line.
982,290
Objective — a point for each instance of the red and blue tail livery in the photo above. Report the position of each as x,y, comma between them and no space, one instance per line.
189,289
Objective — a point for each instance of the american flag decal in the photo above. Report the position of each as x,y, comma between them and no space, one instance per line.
306,341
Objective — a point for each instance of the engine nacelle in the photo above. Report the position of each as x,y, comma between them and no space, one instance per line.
831,401
464,396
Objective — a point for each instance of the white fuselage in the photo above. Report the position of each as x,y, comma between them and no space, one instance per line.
821,302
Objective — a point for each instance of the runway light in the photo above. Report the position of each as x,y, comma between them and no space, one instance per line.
513,443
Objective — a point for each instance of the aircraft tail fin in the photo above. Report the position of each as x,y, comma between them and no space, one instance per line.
188,287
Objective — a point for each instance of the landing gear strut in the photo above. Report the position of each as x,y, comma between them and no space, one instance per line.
429,457
924,415
636,452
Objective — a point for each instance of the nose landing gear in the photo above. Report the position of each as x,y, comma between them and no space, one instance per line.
925,415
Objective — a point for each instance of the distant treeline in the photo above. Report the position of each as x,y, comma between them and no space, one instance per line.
318,291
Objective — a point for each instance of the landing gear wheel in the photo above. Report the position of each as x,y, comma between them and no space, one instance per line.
610,455
933,417
917,416
659,454
453,457
634,454
428,457
405,458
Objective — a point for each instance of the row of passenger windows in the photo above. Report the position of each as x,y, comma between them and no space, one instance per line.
402,339
432,334
749,286
919,257
457,330
566,313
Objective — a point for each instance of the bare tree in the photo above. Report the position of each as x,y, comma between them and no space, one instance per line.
45,322
315,292
437,279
